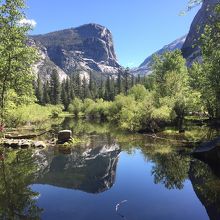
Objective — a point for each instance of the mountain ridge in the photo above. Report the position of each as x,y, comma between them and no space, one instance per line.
88,47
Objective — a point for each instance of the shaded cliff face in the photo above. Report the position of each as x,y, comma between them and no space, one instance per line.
88,47
90,170
190,48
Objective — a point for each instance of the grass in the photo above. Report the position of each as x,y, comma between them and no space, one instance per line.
30,114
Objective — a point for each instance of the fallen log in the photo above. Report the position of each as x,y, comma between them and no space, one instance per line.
27,136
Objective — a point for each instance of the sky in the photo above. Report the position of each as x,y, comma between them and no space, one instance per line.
139,27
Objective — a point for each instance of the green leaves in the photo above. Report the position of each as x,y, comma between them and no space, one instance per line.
16,56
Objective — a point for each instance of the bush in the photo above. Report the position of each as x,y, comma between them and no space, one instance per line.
31,113
75,107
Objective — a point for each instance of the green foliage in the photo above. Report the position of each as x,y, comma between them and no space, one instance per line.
31,113
75,107
16,56
17,171
55,88
39,90
205,77
172,85
139,92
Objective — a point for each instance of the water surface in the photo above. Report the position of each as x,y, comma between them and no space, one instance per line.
109,177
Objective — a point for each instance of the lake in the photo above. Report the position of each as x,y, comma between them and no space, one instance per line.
110,175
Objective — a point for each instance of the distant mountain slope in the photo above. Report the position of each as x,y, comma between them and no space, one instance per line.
145,67
88,47
188,44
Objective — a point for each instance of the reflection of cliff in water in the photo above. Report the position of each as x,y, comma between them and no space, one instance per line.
91,169
207,187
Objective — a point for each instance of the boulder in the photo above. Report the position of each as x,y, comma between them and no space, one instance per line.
209,153
64,136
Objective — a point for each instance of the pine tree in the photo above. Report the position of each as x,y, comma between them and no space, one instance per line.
55,88
77,82
109,89
132,80
85,89
101,91
64,97
91,84
46,93
126,81
119,83
39,90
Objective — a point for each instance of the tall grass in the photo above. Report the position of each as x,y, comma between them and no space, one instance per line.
31,114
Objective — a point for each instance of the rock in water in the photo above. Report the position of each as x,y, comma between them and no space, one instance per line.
64,136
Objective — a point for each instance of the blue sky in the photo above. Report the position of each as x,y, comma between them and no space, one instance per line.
139,27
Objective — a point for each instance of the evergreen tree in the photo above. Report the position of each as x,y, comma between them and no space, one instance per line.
132,80
46,93
91,85
101,91
39,90
55,88
138,79
109,89
85,89
78,84
64,96
119,83
126,81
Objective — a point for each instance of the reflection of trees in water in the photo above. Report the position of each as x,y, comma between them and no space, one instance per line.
170,167
17,200
207,187
171,170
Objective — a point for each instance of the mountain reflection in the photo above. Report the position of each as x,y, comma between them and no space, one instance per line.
91,169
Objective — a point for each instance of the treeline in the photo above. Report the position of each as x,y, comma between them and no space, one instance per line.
79,86
171,92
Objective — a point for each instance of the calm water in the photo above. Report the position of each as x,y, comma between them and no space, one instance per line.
108,177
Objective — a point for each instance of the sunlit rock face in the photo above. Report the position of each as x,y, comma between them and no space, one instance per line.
90,169
45,66
88,47
190,48
207,187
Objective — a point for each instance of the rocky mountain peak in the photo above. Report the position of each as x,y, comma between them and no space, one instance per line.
88,47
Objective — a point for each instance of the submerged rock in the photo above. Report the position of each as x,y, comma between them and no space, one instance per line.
64,136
